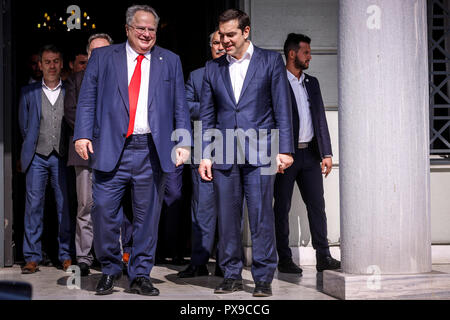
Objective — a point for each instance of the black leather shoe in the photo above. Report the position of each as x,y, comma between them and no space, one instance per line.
218,272
229,286
288,266
262,289
106,284
84,269
143,286
327,263
193,271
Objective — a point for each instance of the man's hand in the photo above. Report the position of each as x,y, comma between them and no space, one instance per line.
82,146
183,155
327,164
284,161
205,169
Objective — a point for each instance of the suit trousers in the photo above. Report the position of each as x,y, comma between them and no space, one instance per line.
139,168
204,218
170,243
126,234
84,232
307,172
40,169
230,187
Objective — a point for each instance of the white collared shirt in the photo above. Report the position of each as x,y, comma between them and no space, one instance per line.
52,94
141,125
306,132
238,70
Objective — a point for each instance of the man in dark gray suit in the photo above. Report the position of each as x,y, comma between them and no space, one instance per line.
312,158
203,208
84,229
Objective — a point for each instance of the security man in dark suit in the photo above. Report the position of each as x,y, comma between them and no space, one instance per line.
203,207
312,159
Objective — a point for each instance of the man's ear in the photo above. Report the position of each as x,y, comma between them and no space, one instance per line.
40,65
292,54
71,65
246,32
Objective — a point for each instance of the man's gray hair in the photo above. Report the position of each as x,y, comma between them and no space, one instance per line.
211,37
131,11
98,36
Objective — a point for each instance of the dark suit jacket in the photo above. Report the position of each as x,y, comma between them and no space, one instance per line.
265,102
30,107
321,141
73,86
103,105
193,90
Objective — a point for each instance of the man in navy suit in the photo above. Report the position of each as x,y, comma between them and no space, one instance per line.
312,158
43,130
246,89
203,206
131,100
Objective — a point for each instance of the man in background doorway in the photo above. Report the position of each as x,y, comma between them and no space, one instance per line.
43,130
203,206
84,229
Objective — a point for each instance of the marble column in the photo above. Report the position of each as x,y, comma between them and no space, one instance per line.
383,147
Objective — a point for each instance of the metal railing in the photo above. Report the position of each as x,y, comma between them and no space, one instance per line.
439,73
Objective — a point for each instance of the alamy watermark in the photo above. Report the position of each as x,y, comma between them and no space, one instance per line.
374,280
74,280
236,146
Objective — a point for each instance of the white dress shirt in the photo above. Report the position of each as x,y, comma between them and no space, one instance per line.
141,125
238,70
306,132
52,94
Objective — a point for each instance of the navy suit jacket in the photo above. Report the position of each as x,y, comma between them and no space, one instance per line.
265,102
321,134
30,107
193,90
103,105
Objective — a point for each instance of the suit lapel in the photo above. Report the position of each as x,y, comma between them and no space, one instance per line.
156,66
225,72
120,62
38,96
251,70
309,90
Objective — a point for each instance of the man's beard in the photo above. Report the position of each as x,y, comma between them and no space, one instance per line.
299,65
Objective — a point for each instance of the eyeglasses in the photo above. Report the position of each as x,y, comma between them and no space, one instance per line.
142,30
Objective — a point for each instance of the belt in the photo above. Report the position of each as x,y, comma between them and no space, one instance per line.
303,145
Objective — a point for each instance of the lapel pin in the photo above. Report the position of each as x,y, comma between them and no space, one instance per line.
307,80
160,58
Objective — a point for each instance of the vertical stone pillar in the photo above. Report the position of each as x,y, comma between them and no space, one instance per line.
384,136
384,150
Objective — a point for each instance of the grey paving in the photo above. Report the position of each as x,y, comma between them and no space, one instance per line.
51,284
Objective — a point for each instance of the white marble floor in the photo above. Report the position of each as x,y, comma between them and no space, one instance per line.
51,284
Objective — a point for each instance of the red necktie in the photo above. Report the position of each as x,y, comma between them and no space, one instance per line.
133,93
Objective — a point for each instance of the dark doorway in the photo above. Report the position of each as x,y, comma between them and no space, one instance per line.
184,28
